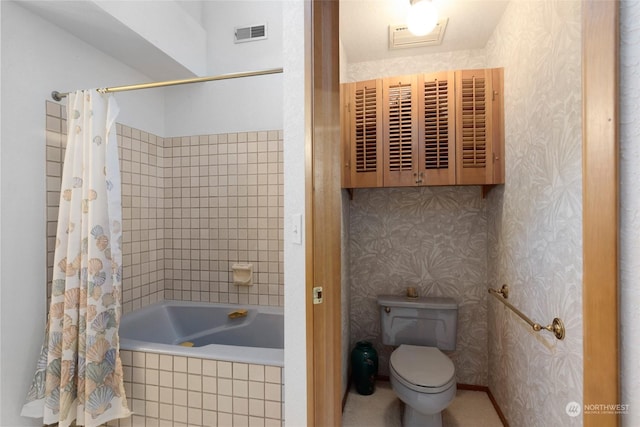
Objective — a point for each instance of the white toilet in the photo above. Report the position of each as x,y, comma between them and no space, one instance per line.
421,375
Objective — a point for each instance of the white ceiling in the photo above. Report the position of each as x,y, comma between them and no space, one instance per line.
92,24
364,30
364,26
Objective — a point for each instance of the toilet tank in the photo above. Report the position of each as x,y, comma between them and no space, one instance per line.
428,321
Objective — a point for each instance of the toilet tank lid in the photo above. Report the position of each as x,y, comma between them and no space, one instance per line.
421,302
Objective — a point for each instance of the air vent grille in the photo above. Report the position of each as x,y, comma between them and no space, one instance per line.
401,38
250,33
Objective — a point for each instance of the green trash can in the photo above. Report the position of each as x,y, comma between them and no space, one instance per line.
364,367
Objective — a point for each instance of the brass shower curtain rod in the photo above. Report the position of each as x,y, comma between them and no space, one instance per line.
57,96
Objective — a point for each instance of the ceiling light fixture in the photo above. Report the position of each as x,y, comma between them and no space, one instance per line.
422,17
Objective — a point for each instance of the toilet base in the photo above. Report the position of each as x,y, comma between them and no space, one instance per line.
413,418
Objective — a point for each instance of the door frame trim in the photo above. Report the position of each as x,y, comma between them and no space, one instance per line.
600,180
600,53
323,201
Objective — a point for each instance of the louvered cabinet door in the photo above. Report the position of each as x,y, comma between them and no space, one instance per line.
436,135
474,127
400,109
365,141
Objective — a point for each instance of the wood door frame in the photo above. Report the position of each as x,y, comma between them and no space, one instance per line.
600,38
600,180
323,223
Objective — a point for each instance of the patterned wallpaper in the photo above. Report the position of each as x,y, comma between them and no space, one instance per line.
529,231
430,244
431,238
455,60
535,221
630,208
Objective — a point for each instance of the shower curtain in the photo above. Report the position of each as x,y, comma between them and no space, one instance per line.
79,373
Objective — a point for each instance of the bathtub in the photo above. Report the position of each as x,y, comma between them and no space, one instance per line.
257,338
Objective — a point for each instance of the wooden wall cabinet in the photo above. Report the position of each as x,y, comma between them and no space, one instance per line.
436,136
362,105
400,131
443,128
479,127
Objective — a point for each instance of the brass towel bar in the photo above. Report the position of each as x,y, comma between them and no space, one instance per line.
556,327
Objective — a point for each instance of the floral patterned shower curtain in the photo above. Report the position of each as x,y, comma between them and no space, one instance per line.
79,373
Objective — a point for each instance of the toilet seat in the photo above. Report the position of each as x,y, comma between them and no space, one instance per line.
423,369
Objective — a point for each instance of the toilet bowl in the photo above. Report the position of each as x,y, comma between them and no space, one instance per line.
421,375
424,379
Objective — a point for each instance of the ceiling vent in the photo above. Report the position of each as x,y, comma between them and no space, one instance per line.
250,33
401,38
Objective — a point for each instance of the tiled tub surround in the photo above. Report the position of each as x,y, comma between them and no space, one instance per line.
143,235
431,238
165,390
208,385
192,207
224,204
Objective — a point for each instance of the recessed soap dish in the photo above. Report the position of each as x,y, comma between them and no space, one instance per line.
242,274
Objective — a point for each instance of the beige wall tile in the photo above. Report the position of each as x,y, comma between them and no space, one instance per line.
165,395
225,370
180,414
225,404
272,409
225,419
209,401
237,401
166,411
225,386
240,421
194,382
256,422
272,392
179,364
179,397
180,380
194,399
240,388
256,390
166,379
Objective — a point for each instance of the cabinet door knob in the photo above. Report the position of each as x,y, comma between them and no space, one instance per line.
418,177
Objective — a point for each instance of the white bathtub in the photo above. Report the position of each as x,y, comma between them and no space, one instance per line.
160,328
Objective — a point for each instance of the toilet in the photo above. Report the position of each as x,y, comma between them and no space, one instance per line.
421,375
